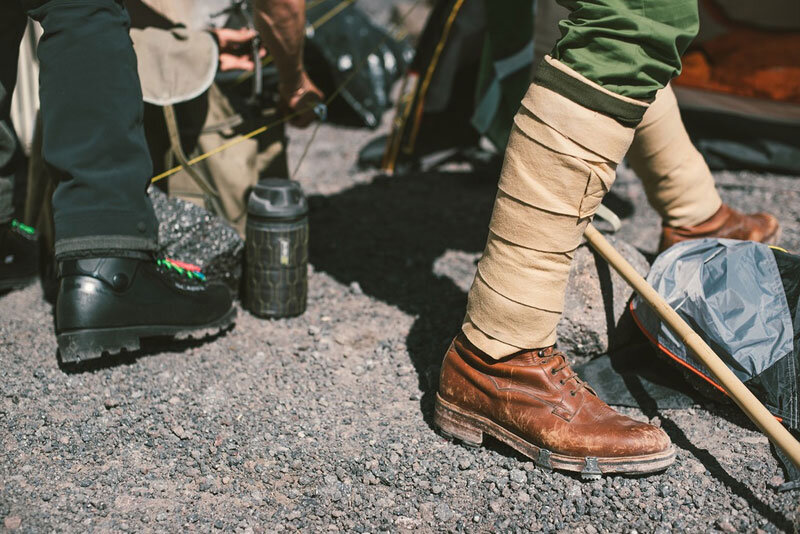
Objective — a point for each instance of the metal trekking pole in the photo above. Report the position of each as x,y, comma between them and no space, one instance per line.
734,387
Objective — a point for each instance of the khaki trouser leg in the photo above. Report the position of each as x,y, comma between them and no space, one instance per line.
678,183
236,170
559,163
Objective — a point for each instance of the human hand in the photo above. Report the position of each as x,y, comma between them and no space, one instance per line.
299,99
235,48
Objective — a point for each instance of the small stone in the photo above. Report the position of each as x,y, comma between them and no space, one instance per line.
443,512
355,289
12,522
518,476
725,526
111,402
179,431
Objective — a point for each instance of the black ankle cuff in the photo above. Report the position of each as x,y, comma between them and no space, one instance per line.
105,253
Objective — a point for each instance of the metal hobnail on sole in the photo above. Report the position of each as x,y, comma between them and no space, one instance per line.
469,428
591,470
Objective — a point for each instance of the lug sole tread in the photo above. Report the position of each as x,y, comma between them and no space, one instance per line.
89,344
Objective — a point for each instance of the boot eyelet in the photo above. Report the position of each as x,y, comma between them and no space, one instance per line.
562,381
573,393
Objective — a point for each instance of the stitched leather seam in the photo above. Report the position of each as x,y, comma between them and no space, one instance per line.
529,395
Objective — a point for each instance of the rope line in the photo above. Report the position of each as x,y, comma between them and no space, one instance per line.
305,150
262,129
332,13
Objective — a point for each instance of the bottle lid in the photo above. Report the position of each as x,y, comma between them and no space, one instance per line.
277,198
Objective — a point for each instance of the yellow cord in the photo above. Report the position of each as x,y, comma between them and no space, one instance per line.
262,129
335,10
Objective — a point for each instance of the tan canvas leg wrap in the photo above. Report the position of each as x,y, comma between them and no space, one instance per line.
559,164
678,183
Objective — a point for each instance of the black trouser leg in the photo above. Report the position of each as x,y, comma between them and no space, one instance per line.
12,26
91,104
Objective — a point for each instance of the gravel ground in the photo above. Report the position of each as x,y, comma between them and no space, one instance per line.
323,422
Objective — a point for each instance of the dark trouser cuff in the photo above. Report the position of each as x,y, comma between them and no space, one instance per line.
104,245
115,230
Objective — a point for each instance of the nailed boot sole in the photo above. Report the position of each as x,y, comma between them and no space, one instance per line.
89,344
469,428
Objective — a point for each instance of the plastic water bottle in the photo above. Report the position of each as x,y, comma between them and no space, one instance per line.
276,249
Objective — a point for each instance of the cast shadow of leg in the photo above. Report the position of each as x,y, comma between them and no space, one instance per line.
387,235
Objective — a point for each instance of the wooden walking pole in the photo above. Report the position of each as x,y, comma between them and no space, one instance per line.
742,396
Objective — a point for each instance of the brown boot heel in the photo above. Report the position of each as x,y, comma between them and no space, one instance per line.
453,425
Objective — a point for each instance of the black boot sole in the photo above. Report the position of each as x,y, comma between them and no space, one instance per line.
90,344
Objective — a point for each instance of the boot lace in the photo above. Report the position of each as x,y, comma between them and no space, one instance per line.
561,365
173,266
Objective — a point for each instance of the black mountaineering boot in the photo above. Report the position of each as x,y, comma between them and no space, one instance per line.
109,304
19,255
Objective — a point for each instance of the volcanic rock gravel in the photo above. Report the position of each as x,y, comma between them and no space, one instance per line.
323,422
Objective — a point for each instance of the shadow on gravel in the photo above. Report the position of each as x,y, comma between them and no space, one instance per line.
706,458
386,235
150,347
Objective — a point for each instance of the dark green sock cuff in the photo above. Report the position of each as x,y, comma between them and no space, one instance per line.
627,114
122,246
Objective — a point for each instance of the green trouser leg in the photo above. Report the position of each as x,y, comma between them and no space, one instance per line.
629,47
93,137
12,26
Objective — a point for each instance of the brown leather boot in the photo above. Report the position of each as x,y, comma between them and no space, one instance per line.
535,403
726,223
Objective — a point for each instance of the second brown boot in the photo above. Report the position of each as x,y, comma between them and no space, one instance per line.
535,403
725,223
